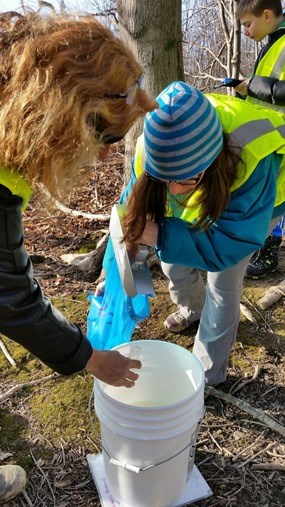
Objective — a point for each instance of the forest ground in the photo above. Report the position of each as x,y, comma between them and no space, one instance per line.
46,427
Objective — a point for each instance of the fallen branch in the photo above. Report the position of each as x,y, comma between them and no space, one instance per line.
18,387
246,407
268,466
272,295
247,313
6,354
91,262
74,212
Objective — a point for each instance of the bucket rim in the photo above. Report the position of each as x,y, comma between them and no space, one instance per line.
159,408
100,384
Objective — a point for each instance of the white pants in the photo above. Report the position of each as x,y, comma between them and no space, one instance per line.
218,307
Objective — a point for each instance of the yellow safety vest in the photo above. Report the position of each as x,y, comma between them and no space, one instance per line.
256,130
272,65
16,184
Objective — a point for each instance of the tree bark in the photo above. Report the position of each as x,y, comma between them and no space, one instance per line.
272,295
153,31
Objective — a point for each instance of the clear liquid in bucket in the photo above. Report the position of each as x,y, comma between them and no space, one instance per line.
147,404
166,385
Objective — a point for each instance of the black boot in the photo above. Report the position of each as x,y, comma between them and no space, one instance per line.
266,259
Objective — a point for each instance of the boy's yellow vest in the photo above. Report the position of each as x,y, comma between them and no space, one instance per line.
257,131
272,65
16,184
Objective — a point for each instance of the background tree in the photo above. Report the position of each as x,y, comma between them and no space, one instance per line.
197,41
214,46
154,33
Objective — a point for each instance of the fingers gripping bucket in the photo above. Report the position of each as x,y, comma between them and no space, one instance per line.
148,432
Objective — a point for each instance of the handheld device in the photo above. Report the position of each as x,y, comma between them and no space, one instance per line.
229,81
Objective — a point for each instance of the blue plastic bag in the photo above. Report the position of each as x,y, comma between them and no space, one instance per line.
113,316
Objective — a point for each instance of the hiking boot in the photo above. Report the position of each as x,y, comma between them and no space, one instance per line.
176,322
265,260
12,481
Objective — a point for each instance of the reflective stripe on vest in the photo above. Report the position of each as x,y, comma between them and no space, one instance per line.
16,184
272,65
256,130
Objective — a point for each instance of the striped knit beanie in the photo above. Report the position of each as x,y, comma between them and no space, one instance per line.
183,136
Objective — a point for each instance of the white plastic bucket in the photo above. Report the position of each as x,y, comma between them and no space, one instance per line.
148,432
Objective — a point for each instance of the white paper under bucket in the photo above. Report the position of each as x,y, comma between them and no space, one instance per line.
149,432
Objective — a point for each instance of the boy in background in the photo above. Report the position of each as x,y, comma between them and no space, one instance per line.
266,86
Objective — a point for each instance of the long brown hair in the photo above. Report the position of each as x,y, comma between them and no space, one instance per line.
148,199
55,74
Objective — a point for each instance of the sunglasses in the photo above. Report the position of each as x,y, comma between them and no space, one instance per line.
190,181
130,95
112,139
98,124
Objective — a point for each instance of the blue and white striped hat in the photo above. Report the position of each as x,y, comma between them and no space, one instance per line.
183,136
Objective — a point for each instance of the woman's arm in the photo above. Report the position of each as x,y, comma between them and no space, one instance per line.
30,319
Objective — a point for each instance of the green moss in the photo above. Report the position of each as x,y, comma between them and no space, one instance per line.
18,353
86,248
62,410
12,427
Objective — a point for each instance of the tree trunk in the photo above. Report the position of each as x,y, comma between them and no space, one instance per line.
153,31
236,56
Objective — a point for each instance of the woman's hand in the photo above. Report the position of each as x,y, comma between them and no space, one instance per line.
113,368
148,238
149,235
99,291
242,88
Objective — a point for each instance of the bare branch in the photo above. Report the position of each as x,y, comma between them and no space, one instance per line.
246,407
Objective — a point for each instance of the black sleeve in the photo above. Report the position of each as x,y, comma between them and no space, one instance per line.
279,93
26,316
267,89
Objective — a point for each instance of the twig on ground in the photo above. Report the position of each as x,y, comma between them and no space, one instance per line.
255,455
27,498
18,387
247,313
236,388
223,450
268,466
261,316
245,449
6,354
44,475
246,407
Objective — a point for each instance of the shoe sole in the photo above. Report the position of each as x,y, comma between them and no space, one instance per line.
194,323
257,277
